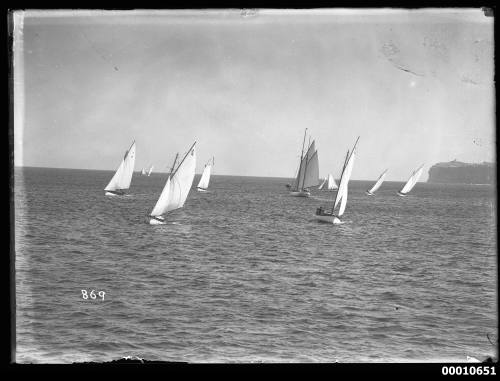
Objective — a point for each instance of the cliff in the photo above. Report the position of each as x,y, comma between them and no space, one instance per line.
456,172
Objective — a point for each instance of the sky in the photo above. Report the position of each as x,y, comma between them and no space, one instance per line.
415,85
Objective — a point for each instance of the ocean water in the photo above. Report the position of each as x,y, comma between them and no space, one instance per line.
244,273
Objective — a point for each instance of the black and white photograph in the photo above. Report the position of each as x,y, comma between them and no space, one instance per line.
254,186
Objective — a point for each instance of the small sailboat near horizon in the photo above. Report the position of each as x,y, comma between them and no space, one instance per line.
378,183
331,184
308,173
176,189
150,170
143,172
205,177
123,176
412,181
324,215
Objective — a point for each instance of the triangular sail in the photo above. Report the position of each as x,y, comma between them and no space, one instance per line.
331,183
205,177
412,180
322,184
344,183
150,170
123,175
378,183
175,194
143,172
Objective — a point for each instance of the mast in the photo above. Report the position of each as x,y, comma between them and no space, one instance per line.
300,161
173,165
184,158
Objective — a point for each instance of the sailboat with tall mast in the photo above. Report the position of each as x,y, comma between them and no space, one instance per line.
325,215
411,181
308,173
378,183
123,175
205,177
176,189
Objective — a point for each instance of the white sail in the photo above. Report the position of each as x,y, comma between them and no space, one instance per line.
143,172
205,177
177,188
344,181
331,183
123,175
412,180
312,172
322,184
378,183
150,170
309,169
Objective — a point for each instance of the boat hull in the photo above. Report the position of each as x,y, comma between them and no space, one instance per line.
369,193
401,194
201,190
114,193
300,194
158,220
328,218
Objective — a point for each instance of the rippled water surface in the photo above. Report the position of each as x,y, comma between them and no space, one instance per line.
244,272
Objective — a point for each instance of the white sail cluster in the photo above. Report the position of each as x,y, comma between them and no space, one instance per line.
177,187
330,183
412,180
123,175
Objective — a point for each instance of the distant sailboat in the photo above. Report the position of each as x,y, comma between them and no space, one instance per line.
308,173
176,189
378,183
150,170
328,215
143,172
411,181
323,183
331,184
123,175
205,177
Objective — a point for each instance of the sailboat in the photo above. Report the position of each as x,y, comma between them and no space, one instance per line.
328,215
143,172
123,175
323,183
205,177
176,188
378,183
411,181
308,173
150,170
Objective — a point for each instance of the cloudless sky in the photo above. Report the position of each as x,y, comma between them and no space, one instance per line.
417,86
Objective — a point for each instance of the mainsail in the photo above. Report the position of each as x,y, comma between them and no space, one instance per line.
412,180
205,177
177,187
309,169
150,170
378,183
123,175
344,181
143,172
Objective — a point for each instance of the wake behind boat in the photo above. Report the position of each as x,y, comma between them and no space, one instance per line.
123,175
176,188
411,181
378,183
205,177
308,173
324,215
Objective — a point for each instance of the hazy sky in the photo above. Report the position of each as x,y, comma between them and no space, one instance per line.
417,86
